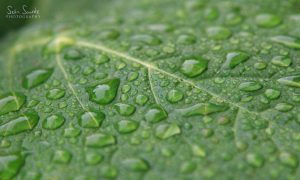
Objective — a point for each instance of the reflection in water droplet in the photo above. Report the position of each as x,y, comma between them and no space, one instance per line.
36,78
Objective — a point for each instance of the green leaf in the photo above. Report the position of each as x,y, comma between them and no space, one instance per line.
154,89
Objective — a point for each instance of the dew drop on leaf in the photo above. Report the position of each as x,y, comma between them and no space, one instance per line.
235,58
284,107
126,126
71,132
174,96
147,39
203,109
92,158
53,122
10,165
188,167
125,109
101,59
218,33
164,131
193,67
62,157
292,81
56,93
272,94
141,99
267,20
288,159
186,39
105,92
11,102
250,86
255,160
36,78
100,140
135,164
23,123
73,54
281,61
91,119
156,114
289,41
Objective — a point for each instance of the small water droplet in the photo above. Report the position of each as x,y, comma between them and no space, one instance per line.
141,99
125,109
186,39
288,159
62,157
23,123
109,34
232,19
105,92
235,58
101,59
156,114
193,66
267,20
136,164
73,54
218,33
198,151
289,41
164,131
255,160
284,107
11,102
100,140
132,76
91,119
174,96
203,109
292,81
281,61
10,165
211,13
147,39
126,126
250,86
188,167
92,158
53,122
54,94
71,132
260,65
36,78
272,93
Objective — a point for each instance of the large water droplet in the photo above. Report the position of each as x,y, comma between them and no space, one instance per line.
164,131
174,96
105,92
136,164
125,109
147,39
62,157
11,102
126,126
10,165
281,61
235,58
218,33
73,54
193,66
272,94
292,81
203,109
291,42
100,140
91,119
55,94
53,122
141,99
250,86
288,159
156,114
36,78
267,20
23,123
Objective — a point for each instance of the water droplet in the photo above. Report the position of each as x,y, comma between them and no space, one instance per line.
156,114
267,20
91,119
36,78
193,66
211,13
53,122
100,140
188,167
58,44
132,76
207,132
92,158
260,65
62,157
272,93
125,109
186,39
141,99
284,107
147,39
73,54
198,151
218,33
292,81
174,96
288,159
203,109
105,92
23,123
88,70
101,59
11,102
10,165
71,132
55,94
232,19
136,164
126,126
255,160
291,42
164,131
109,172
109,34
235,58
250,86
281,61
